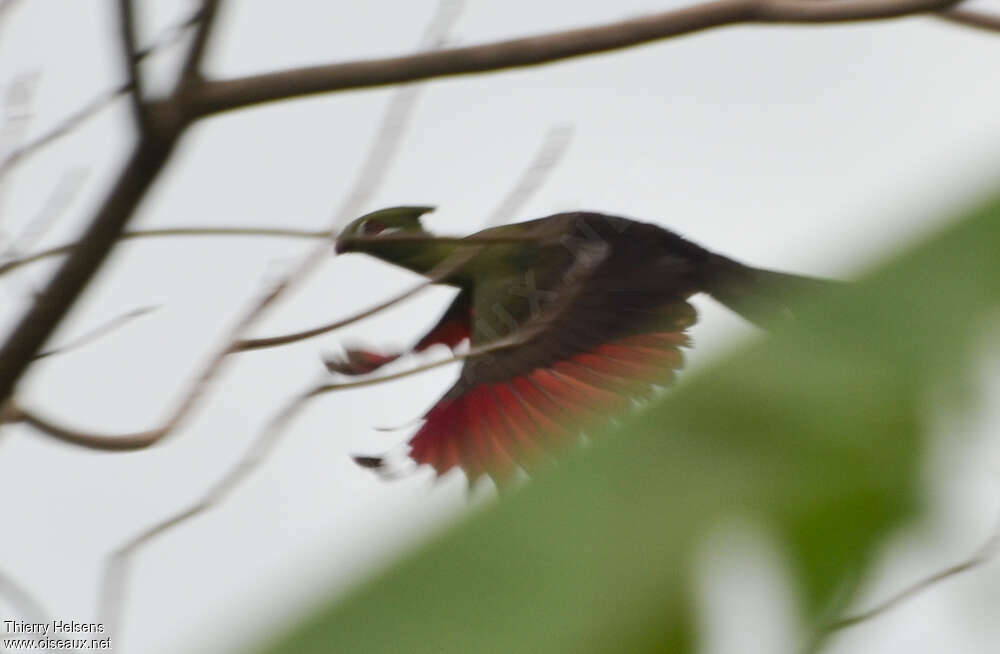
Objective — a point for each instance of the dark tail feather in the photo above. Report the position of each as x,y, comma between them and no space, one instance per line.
765,297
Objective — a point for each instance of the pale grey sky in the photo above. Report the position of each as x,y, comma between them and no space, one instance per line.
809,149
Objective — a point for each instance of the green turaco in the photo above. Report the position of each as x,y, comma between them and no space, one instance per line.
581,314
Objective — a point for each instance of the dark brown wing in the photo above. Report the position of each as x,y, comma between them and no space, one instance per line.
610,333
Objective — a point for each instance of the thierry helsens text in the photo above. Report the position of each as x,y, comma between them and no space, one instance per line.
52,627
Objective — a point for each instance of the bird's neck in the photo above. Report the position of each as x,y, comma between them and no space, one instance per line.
419,257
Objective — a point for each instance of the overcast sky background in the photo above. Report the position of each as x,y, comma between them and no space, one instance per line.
809,149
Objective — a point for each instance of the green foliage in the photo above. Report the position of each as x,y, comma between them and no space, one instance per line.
816,433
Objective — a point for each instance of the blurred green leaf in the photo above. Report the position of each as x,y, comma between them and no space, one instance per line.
816,433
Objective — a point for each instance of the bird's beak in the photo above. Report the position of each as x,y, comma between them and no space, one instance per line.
340,246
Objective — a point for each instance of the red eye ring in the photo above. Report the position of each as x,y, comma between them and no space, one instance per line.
372,227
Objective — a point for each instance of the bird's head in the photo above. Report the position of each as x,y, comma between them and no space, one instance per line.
365,230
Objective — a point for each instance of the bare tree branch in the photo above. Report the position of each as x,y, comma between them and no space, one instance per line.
159,131
972,18
90,440
225,95
270,232
98,332
553,148
984,554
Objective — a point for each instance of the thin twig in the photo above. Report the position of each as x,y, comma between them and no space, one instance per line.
98,332
57,202
116,569
553,148
472,353
17,100
385,147
170,35
983,20
984,554
394,122
6,6
62,128
281,232
126,34
440,272
191,68
69,185
82,438
103,100
22,600
429,239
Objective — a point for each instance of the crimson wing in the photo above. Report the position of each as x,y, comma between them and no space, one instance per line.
612,335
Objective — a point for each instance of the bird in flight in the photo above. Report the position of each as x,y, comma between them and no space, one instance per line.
571,319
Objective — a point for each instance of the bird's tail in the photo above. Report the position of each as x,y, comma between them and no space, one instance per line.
764,297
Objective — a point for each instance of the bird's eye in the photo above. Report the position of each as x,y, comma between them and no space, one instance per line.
372,226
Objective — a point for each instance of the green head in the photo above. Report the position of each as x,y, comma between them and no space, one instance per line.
373,234
361,234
